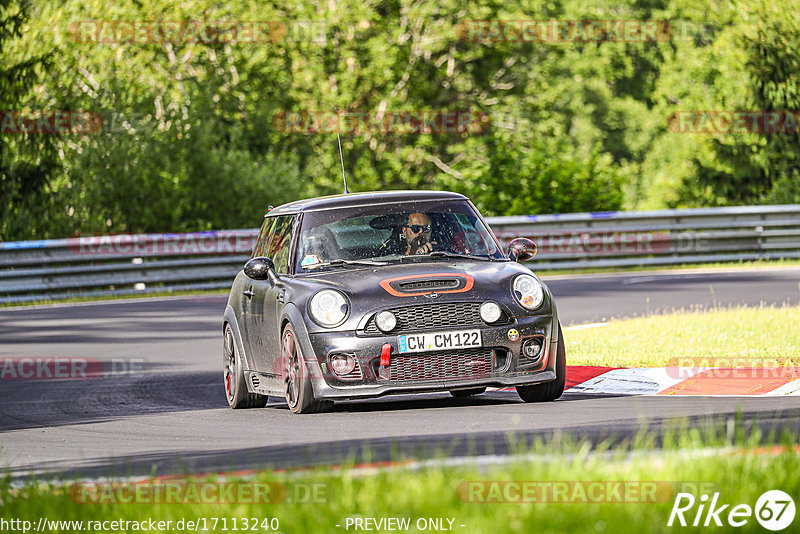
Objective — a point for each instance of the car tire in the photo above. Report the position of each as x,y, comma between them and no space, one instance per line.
233,376
461,393
549,391
296,380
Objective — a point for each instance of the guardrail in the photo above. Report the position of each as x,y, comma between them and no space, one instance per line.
145,263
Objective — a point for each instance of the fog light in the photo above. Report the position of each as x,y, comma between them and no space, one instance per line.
342,364
386,321
532,349
490,312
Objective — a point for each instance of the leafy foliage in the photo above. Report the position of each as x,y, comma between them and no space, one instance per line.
190,138
27,164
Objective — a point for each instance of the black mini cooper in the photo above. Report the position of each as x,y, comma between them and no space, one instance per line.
369,294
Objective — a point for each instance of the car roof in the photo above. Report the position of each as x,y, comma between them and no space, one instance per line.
361,199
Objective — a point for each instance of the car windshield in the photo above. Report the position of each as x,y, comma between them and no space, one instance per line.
393,232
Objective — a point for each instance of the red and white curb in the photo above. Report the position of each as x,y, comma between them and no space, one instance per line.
683,381
709,381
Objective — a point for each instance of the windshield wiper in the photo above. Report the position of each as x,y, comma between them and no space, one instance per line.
342,263
443,254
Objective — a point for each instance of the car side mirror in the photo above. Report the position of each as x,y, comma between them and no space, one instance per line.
521,249
261,268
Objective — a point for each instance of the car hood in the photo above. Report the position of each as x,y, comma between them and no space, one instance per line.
373,288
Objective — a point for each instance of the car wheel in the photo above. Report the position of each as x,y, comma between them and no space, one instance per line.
460,393
233,376
551,390
296,380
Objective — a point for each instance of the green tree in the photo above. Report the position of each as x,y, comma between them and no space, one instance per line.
27,161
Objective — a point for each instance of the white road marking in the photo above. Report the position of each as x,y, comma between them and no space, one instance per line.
645,279
792,388
584,326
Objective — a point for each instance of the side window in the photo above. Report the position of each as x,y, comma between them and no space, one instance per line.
476,238
281,242
262,242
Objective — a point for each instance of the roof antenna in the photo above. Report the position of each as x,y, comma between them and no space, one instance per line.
346,192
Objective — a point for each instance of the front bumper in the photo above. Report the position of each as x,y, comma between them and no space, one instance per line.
498,364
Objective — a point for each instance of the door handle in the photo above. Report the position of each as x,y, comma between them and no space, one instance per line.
247,293
280,295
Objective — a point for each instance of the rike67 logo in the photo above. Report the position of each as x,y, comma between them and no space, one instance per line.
774,510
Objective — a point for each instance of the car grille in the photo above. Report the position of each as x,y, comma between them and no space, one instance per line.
433,316
465,364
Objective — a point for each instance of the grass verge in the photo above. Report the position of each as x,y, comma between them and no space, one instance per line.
743,337
154,294
571,487
763,264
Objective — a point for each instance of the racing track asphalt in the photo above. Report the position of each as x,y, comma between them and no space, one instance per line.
169,415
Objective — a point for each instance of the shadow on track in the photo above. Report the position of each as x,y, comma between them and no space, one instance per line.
430,401
48,403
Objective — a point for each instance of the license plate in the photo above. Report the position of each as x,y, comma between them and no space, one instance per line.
461,339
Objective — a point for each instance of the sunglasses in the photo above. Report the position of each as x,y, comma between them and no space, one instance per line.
417,228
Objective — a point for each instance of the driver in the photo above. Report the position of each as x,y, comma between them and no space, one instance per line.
417,232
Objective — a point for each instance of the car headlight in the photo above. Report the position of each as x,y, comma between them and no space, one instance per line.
490,312
328,307
528,291
386,321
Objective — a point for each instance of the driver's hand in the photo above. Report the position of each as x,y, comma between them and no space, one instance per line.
426,248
